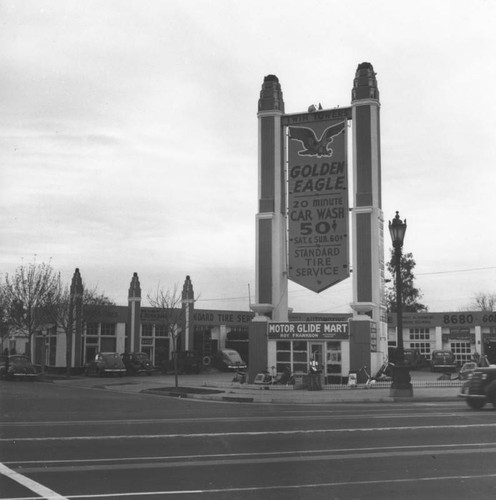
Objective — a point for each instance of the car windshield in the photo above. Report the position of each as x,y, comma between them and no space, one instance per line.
110,355
141,356
233,356
20,361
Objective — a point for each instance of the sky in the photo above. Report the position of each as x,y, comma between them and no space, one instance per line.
128,136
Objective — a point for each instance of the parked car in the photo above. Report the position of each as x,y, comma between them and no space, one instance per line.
443,360
105,363
228,360
480,388
187,362
137,362
17,366
466,369
413,358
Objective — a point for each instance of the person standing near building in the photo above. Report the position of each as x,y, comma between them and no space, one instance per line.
314,373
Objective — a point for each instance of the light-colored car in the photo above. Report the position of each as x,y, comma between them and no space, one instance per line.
228,360
105,363
466,369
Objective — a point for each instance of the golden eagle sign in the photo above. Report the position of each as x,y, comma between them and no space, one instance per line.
318,202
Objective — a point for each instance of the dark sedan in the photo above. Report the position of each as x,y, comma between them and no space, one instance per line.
106,363
17,366
137,362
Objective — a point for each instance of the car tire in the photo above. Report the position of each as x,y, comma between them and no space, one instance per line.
491,392
476,404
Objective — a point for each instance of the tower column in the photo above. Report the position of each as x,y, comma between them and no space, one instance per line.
188,304
76,310
367,216
271,289
134,316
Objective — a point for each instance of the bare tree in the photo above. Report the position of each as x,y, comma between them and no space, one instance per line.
93,297
484,302
4,324
169,302
29,293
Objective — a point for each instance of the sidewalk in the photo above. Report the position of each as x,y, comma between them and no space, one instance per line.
218,386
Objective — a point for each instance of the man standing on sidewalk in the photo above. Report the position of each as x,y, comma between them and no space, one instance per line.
314,373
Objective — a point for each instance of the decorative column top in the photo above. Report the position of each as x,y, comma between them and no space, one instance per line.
188,294
135,288
271,95
77,284
365,83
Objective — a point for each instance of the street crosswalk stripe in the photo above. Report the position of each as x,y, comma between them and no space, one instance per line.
35,487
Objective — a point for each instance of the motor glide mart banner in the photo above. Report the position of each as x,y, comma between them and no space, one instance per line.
318,203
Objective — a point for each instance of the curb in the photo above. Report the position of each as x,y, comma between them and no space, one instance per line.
236,398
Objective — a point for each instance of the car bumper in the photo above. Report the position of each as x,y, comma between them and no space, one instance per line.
471,396
465,393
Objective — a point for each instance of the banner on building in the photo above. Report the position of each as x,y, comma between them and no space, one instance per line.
308,331
318,218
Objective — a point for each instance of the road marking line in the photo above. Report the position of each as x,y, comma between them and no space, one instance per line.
326,415
35,487
252,433
301,453
272,488
317,457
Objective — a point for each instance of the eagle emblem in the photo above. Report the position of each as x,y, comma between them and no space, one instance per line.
312,145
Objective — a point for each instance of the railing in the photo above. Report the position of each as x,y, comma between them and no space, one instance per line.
424,384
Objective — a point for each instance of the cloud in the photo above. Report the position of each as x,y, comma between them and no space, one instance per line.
128,133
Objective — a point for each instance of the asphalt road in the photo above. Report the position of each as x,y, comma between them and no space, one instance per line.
65,442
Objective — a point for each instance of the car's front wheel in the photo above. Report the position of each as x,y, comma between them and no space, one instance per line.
476,404
491,392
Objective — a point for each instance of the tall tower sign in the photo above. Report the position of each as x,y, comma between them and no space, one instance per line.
315,254
317,199
305,235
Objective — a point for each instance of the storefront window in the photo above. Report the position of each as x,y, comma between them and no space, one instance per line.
423,347
292,355
92,330
462,351
420,334
283,356
300,358
108,329
333,362
283,346
147,330
160,331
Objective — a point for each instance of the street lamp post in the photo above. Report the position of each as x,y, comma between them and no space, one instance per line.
401,385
